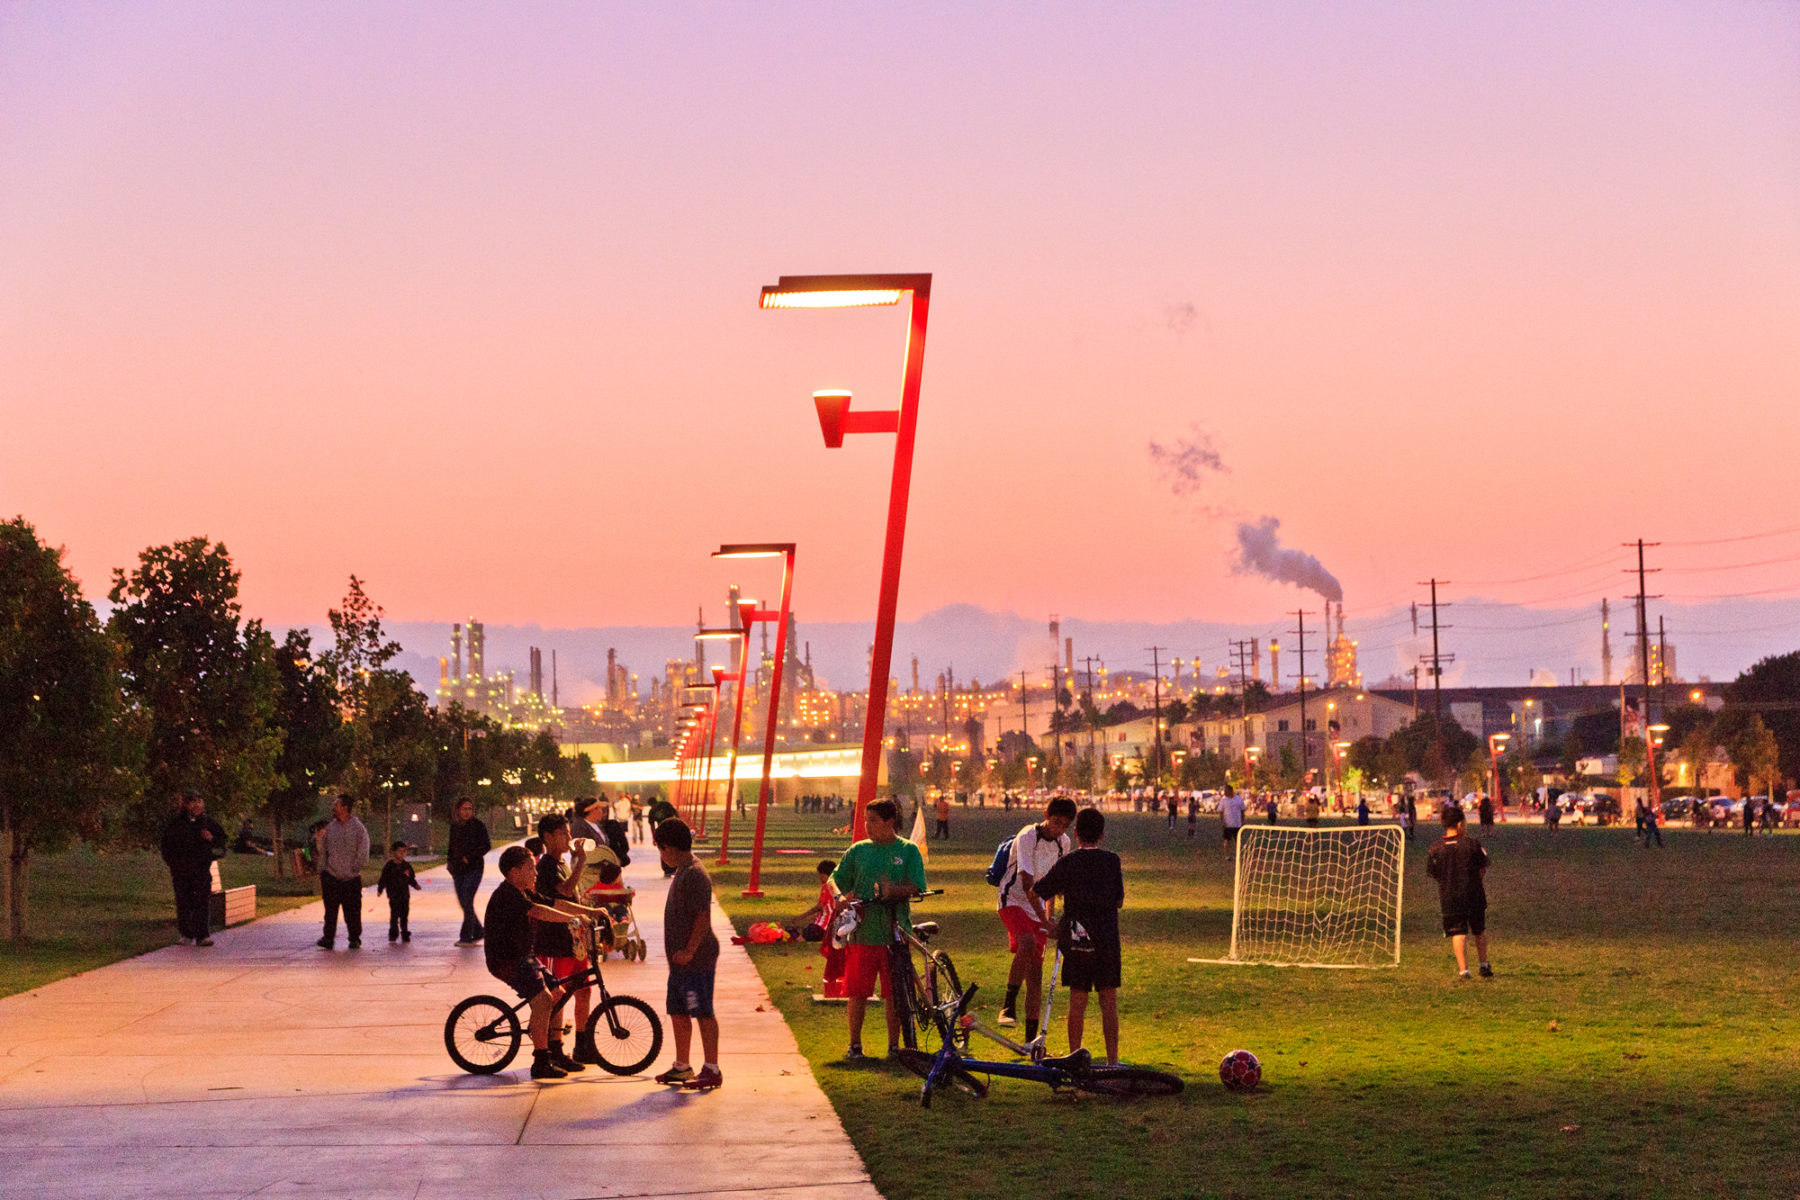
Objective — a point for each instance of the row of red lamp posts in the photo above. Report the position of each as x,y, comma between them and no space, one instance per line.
698,728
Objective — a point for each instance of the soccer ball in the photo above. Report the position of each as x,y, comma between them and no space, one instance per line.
1240,1071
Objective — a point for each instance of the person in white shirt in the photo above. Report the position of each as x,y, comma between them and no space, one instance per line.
1035,849
1231,810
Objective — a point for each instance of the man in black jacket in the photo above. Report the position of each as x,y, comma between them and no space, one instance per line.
189,845
468,849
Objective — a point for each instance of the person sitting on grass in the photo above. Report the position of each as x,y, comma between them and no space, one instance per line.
512,911
693,951
1088,934
1458,863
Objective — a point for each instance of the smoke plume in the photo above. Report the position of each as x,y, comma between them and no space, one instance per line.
1260,552
1185,463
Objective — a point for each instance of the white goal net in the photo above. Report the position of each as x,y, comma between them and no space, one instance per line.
1317,897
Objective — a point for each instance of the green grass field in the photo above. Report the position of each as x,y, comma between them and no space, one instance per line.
89,909
1639,1039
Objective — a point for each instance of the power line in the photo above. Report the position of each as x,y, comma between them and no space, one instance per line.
1748,537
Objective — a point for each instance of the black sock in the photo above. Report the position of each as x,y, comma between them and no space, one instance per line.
1012,997
1030,1028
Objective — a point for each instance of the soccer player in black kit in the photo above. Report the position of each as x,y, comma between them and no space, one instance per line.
1458,863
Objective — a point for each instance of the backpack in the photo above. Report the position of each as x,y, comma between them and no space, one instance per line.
996,872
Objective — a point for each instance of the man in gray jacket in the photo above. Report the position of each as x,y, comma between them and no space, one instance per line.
343,847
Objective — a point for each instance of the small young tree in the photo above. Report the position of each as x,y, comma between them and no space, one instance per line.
68,746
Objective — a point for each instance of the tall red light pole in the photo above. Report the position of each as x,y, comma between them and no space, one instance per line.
709,716
750,614
835,420
1494,740
736,678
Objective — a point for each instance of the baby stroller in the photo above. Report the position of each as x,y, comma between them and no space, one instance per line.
607,892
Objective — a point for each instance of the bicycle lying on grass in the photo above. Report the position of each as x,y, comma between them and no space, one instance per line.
483,1033
1077,1071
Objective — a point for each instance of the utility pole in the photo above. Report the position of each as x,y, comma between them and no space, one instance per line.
1437,661
1156,713
1643,636
1056,709
1300,615
1024,713
1605,643
1240,652
1415,675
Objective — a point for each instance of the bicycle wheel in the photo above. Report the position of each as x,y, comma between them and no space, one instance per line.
945,989
957,1076
482,1035
627,1034
1128,1081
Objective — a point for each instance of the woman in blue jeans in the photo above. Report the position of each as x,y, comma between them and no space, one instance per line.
468,850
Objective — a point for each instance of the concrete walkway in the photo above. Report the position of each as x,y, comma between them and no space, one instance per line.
267,1067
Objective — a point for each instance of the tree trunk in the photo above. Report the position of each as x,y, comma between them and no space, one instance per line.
275,845
17,864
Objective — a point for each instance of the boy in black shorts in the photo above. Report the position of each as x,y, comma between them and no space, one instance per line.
511,911
1093,888
693,952
1458,862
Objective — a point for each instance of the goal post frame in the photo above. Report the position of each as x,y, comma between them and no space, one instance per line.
1383,833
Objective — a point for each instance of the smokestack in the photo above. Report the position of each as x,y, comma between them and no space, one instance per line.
443,673
1069,655
555,702
1274,665
612,675
456,651
915,659
537,672
1255,658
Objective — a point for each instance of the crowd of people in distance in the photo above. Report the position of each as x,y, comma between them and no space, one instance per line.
812,802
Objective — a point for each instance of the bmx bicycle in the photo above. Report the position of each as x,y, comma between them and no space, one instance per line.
483,1033
951,1066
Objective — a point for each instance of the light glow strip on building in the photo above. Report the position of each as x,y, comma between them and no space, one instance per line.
792,764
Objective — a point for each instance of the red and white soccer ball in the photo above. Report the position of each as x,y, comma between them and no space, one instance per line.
1240,1071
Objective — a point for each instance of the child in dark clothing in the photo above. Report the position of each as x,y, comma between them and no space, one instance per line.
1088,935
1458,863
399,881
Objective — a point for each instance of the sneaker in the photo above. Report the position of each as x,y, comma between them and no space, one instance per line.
676,1076
464,942
203,941
1487,972
585,1051
1462,974
563,1062
543,1068
708,1079
323,943
1006,1020
406,936
393,935
356,943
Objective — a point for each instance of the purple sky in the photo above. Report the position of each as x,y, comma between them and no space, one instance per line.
462,298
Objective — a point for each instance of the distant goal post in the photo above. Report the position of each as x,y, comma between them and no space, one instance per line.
1305,897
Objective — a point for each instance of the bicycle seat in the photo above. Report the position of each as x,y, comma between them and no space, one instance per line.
1080,1060
925,929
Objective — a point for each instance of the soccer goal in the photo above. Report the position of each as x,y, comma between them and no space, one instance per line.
1317,897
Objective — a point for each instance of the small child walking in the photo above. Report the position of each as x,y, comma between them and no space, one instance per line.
1458,863
399,881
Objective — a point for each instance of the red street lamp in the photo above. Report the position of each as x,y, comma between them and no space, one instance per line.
748,614
835,420
710,716
1494,740
736,678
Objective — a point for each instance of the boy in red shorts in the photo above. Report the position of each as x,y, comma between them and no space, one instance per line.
1035,849
882,866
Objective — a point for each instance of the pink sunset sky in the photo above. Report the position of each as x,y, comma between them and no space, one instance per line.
462,298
